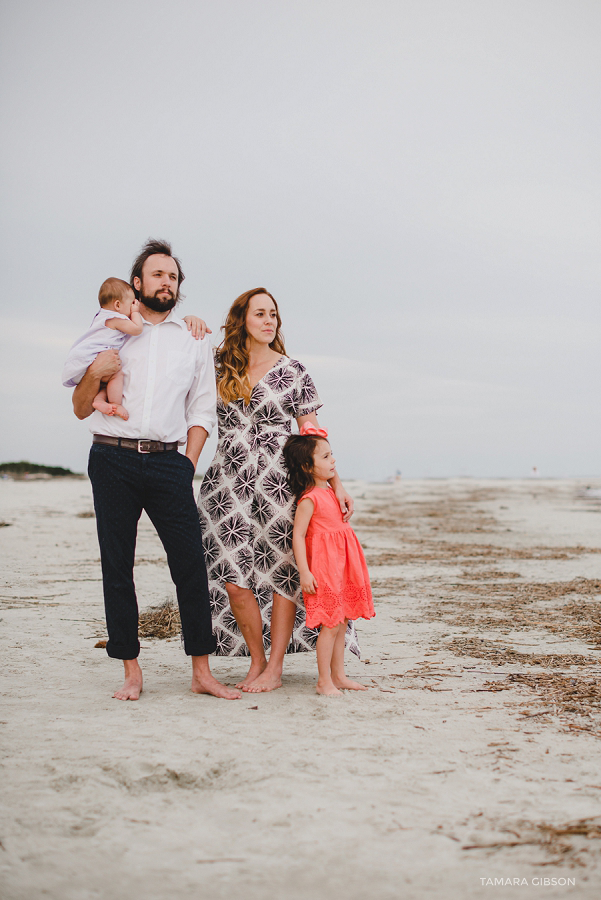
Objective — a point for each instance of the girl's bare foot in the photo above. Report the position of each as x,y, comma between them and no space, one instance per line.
256,669
107,409
120,411
347,684
132,686
328,690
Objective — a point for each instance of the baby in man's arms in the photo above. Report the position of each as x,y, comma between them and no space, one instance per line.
118,318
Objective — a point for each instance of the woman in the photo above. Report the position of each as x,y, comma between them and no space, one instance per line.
245,507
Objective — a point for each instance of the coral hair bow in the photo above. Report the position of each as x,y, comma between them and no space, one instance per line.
310,428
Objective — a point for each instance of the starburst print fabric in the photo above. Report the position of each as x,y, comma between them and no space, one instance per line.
247,512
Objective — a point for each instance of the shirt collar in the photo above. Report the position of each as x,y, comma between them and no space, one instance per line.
170,318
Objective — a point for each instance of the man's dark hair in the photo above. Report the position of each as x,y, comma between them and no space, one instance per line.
151,247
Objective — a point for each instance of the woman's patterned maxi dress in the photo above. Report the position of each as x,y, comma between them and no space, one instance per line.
246,510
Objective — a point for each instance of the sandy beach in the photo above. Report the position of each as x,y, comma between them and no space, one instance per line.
474,756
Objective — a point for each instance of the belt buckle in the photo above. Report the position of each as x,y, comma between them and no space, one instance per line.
147,450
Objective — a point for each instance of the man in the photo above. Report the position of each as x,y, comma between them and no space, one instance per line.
169,392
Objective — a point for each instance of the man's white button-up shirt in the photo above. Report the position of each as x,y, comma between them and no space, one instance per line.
168,385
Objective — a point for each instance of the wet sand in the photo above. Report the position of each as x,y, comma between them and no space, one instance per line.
474,755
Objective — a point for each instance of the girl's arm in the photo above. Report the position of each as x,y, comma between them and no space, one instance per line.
304,511
347,504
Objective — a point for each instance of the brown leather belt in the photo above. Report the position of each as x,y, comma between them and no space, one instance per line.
142,446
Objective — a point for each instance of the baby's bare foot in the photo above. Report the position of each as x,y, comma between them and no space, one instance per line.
107,409
347,684
120,411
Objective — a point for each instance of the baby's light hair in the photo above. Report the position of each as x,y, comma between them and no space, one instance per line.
113,289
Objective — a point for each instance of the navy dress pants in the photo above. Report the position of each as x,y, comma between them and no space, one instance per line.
126,482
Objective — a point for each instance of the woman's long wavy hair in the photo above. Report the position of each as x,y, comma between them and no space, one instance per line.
298,457
231,357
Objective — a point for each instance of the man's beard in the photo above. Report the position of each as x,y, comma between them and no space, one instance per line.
159,304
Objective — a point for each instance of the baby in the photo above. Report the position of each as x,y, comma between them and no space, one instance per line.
118,318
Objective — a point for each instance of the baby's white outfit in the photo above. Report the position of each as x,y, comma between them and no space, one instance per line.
86,348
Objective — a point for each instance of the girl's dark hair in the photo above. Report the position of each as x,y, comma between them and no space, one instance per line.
298,457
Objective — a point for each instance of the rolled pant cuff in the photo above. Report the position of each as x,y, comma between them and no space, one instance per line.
200,649
119,651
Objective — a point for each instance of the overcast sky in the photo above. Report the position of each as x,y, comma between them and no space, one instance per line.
417,182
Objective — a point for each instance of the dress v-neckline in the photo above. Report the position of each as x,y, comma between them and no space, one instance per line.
276,363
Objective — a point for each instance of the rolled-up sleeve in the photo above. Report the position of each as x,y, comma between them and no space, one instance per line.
201,399
306,398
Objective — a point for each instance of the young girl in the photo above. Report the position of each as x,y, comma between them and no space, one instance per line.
333,573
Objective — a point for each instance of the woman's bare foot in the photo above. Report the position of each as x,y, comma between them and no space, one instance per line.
347,684
328,690
267,681
256,669
107,409
120,411
132,686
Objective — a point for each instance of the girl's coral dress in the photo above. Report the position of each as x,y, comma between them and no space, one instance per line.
336,560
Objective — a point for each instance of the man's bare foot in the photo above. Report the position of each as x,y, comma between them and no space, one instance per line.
107,409
121,411
328,690
347,684
267,681
132,686
203,683
256,669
